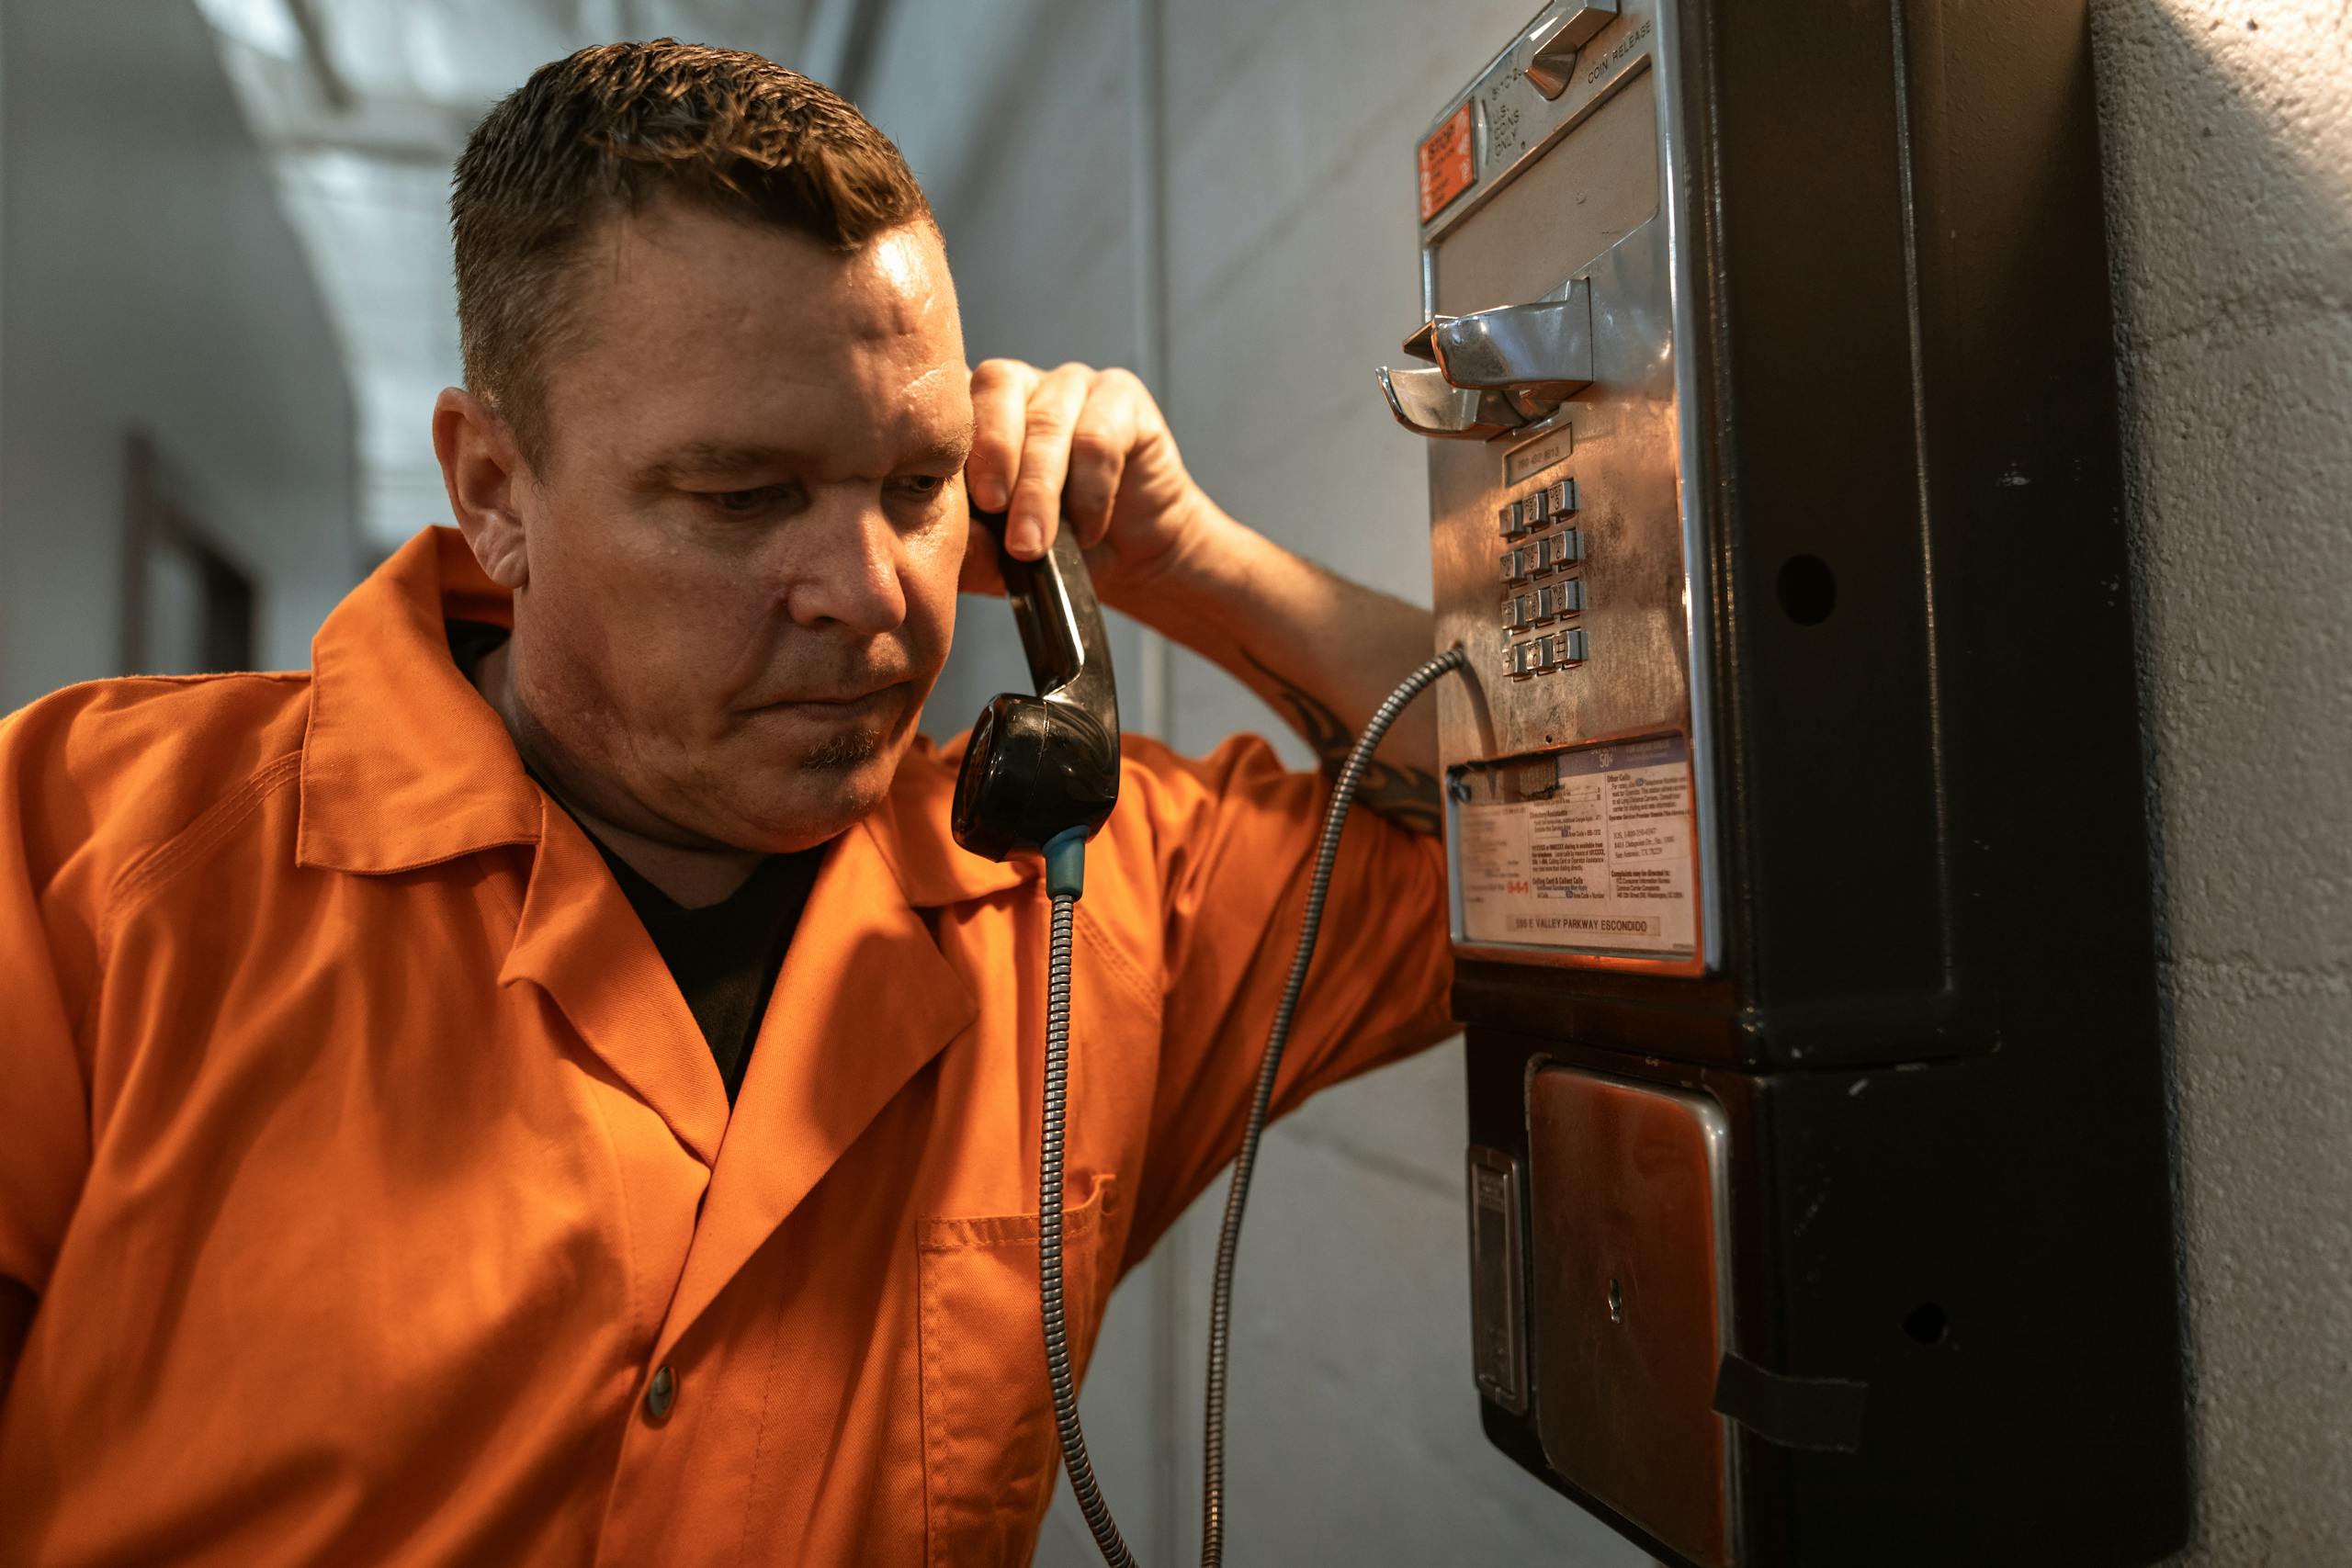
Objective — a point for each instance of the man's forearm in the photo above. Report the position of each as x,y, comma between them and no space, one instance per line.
1323,651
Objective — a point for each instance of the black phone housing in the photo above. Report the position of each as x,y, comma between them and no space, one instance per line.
1915,1044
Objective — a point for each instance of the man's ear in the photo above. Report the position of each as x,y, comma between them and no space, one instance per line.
483,469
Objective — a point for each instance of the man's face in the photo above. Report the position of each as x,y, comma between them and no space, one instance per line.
744,536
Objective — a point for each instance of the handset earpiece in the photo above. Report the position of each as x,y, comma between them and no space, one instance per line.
1041,768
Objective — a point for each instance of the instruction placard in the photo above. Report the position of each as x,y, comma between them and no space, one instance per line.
1448,166
1601,861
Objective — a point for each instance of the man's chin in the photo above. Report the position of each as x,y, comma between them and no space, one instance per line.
828,792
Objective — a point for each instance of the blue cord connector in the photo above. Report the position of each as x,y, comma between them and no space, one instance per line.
1066,863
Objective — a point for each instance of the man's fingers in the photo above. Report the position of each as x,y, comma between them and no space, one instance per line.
1106,432
1000,412
1049,446
1036,511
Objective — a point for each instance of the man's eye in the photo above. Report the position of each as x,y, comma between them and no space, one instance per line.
742,502
924,485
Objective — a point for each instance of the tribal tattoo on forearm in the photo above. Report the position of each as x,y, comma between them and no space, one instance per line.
1407,796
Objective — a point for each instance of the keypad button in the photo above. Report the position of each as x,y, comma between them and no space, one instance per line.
1569,646
1514,519
1560,498
1567,546
1567,597
1536,510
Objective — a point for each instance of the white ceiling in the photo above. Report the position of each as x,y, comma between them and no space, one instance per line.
362,107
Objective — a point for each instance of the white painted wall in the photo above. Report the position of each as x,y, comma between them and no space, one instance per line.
151,281
1292,272
1031,175
1289,274
2229,153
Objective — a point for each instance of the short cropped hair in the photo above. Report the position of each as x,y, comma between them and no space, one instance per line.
602,132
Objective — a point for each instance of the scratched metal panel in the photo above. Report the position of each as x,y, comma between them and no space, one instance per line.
1581,187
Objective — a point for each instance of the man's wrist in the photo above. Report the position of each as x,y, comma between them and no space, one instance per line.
1206,584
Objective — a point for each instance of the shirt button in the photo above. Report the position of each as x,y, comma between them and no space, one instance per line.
660,1394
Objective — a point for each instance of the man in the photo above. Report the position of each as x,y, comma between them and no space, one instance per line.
543,1085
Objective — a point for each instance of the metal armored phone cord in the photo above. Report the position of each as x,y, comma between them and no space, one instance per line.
1228,1241
1064,874
1065,877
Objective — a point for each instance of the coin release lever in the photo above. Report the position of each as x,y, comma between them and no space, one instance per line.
1558,36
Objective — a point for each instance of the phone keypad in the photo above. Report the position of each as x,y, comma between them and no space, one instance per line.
1543,655
1550,547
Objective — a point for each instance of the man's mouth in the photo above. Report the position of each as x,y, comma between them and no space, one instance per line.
874,705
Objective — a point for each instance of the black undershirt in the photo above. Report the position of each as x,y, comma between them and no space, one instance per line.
724,957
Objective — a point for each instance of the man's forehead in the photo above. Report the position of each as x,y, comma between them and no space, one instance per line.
673,260
716,337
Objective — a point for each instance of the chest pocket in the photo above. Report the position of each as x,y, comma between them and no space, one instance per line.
989,1447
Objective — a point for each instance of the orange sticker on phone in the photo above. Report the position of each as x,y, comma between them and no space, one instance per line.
1446,167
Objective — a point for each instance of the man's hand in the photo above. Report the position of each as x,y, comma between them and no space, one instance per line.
1083,445
1090,447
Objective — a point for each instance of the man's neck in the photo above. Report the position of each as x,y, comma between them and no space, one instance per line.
692,875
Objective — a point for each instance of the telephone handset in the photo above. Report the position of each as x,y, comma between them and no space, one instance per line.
1039,767
1041,773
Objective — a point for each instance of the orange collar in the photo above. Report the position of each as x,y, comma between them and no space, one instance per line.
404,765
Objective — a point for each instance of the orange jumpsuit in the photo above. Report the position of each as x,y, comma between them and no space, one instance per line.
368,1165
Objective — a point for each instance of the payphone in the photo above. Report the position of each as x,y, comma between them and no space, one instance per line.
1819,1197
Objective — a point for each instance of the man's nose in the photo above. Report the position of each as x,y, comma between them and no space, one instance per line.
846,572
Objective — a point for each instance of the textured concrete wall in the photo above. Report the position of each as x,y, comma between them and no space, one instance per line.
151,282
1289,274
2228,131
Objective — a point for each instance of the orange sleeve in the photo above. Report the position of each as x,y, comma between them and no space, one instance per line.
48,959
92,779
1233,846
